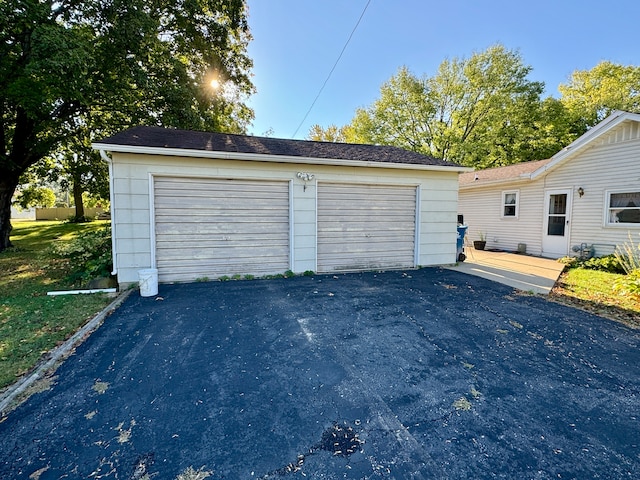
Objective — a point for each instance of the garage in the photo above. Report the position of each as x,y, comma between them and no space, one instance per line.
209,205
207,228
363,226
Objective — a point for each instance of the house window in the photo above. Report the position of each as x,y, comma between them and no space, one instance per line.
623,208
510,204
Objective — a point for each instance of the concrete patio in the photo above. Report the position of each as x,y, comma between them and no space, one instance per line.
524,272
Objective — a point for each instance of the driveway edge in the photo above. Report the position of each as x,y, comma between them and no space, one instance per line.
8,398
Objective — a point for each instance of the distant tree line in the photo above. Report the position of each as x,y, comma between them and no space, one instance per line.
484,111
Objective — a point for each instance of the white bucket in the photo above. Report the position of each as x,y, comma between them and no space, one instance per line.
148,282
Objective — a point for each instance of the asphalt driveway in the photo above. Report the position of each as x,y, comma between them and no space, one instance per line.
407,375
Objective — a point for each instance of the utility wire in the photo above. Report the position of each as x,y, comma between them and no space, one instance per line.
332,69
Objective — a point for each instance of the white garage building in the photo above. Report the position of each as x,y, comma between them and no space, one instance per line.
204,205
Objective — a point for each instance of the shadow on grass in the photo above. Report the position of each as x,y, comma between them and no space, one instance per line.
630,318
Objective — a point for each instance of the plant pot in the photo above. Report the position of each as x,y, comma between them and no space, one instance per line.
479,244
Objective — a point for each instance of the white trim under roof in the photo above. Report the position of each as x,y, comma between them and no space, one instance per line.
261,157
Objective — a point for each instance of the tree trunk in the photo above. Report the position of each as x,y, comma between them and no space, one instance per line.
77,199
8,186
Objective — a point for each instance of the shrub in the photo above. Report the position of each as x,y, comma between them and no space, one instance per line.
88,255
629,257
629,284
608,263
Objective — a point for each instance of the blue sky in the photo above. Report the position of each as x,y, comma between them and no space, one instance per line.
296,43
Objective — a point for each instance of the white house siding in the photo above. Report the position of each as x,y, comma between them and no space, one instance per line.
132,183
612,163
482,207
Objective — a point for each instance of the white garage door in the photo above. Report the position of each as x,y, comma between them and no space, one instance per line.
364,227
215,227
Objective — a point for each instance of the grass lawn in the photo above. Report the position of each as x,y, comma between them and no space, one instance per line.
32,323
592,290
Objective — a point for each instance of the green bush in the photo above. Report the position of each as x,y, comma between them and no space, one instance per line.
629,257
608,263
88,255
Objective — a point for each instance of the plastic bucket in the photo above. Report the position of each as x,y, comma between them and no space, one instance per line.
148,282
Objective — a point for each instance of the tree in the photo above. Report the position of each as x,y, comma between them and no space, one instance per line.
482,111
34,196
592,95
332,133
74,71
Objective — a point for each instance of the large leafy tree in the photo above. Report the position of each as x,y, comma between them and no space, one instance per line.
592,95
482,111
71,70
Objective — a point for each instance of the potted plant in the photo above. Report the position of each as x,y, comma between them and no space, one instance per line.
480,244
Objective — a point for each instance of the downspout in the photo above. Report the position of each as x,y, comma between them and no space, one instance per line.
106,158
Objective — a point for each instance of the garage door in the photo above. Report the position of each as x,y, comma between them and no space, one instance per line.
213,227
364,227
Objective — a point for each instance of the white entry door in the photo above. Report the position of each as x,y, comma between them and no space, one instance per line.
555,237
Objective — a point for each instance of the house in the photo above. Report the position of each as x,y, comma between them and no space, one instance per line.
199,205
583,200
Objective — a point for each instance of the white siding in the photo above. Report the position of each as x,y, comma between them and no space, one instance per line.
482,213
132,174
611,162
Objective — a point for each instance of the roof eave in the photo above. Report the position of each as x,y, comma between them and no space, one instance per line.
262,157
491,183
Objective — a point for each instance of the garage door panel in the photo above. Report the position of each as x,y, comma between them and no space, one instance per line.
221,204
216,251
207,241
370,224
365,227
219,223
215,227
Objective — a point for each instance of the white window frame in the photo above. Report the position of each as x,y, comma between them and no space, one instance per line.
608,209
503,203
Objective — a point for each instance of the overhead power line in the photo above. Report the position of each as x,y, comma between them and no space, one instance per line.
332,69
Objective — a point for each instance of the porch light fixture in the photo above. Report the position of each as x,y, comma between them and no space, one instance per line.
580,191
305,177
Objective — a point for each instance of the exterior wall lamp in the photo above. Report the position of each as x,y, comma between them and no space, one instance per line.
580,191
305,177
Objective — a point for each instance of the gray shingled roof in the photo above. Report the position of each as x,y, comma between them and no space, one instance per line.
157,137
510,172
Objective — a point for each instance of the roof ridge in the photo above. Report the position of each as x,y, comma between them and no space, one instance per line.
156,137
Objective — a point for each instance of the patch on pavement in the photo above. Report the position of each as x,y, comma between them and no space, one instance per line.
339,439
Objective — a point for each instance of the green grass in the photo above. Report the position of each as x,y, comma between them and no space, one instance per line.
32,323
593,291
